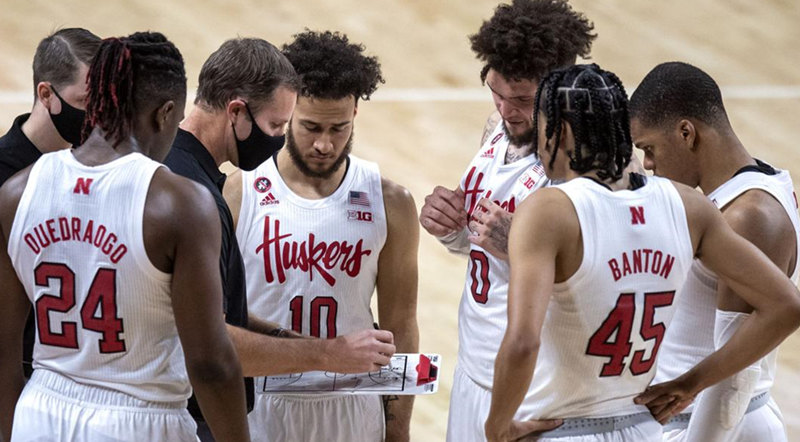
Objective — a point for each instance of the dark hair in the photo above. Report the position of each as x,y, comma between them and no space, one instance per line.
248,68
594,103
126,76
677,90
331,67
60,54
528,38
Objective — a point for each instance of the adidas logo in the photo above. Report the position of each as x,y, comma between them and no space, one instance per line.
269,200
488,154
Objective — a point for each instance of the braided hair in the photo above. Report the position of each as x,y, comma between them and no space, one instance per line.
126,76
594,103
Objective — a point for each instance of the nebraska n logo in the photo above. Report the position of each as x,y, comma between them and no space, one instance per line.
637,215
82,185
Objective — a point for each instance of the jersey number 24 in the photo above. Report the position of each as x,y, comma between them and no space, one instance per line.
102,294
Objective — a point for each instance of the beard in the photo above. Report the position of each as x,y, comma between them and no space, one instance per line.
303,167
524,139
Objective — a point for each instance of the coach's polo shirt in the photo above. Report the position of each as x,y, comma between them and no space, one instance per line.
191,159
16,150
16,153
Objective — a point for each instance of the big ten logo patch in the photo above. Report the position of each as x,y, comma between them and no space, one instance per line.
262,184
359,215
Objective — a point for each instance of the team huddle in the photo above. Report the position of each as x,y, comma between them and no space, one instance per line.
149,295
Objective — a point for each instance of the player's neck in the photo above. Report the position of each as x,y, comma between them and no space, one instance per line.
97,150
723,157
209,128
41,132
303,185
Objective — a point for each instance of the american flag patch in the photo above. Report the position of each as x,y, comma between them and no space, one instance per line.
358,198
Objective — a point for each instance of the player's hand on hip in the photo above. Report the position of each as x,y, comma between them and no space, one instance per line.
521,430
443,212
489,226
667,399
366,350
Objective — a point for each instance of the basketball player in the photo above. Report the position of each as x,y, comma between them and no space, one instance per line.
60,65
679,121
319,230
518,45
591,296
246,95
104,242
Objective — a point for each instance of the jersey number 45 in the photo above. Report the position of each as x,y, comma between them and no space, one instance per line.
620,320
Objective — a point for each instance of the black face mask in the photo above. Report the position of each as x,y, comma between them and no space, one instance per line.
257,147
69,122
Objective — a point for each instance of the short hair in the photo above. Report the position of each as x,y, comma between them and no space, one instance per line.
594,103
528,38
249,68
331,67
676,90
60,54
128,75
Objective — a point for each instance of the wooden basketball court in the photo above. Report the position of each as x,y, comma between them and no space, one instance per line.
424,125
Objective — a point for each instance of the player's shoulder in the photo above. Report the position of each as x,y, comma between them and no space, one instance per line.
396,197
173,197
756,212
547,202
11,194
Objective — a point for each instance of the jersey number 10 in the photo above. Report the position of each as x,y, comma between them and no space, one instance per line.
330,304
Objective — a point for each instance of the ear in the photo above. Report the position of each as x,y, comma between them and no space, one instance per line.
234,109
45,94
355,110
163,115
688,134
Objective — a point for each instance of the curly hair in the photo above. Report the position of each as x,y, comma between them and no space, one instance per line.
330,67
528,38
595,105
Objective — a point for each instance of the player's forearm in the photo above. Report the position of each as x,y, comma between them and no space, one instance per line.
398,417
513,371
398,412
220,392
262,355
260,326
759,334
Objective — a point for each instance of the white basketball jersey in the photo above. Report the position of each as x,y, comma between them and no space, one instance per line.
603,325
311,265
482,314
691,337
103,311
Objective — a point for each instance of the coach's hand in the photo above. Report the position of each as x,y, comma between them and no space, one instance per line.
359,352
521,430
489,227
667,399
443,212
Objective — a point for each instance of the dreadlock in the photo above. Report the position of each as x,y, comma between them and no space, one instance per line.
594,103
126,76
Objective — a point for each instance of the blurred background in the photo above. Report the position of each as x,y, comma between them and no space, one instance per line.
424,125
